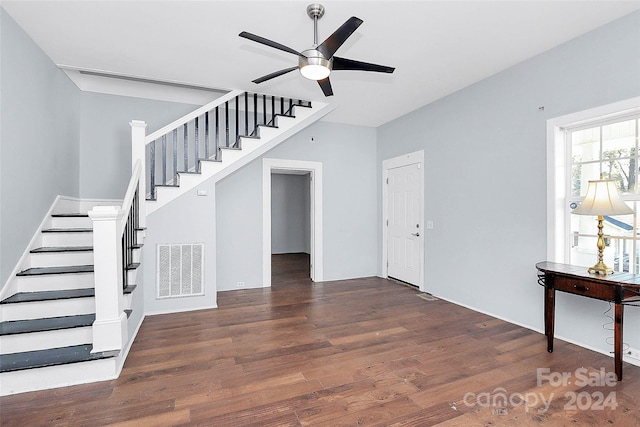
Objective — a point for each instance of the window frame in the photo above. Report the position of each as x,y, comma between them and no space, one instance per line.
559,169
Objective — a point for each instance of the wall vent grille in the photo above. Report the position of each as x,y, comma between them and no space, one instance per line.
180,270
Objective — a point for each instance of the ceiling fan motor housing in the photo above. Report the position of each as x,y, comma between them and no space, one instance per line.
313,64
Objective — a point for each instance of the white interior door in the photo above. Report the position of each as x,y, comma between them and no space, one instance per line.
404,231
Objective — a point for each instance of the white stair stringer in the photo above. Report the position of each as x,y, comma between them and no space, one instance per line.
234,159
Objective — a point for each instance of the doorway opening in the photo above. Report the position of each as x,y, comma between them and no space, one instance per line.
302,181
290,226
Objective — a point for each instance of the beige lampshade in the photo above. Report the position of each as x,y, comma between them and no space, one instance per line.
602,199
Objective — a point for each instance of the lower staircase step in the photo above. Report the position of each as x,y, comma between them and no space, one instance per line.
48,324
49,295
37,271
50,357
62,249
70,215
68,230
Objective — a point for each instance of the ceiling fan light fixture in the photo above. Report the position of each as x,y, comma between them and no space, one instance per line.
317,62
314,66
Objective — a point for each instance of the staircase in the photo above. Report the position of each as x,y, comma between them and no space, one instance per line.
52,321
46,322
216,140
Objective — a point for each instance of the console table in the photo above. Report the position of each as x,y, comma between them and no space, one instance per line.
618,288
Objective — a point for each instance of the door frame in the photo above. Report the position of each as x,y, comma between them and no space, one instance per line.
315,213
416,157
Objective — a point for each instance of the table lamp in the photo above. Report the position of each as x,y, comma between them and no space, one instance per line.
602,199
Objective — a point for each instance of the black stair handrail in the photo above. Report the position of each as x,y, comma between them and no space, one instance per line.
201,136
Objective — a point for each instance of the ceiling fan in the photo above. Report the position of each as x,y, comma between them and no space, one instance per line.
317,62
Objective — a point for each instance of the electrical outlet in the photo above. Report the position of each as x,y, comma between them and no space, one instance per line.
633,353
240,284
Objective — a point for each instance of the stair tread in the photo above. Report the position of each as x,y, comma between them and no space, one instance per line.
70,215
133,266
67,230
47,324
49,295
63,269
49,357
48,249
129,289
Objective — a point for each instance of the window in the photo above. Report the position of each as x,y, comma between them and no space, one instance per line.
584,146
607,149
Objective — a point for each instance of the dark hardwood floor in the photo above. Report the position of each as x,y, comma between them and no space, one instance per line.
363,352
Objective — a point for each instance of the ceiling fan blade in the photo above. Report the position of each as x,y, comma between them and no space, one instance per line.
268,42
350,64
325,85
274,74
339,36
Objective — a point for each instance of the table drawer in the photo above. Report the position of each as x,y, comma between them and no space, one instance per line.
585,288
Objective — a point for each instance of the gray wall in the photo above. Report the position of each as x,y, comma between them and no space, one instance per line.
485,177
290,220
105,150
188,219
39,139
348,156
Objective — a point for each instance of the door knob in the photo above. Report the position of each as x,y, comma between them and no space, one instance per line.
415,234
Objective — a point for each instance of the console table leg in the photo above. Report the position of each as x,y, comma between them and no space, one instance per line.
617,338
549,316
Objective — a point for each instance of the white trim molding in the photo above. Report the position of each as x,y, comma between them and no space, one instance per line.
558,174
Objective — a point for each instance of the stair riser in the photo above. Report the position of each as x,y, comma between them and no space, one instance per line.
42,309
67,239
54,282
57,376
71,222
132,276
53,259
267,132
128,299
137,255
44,340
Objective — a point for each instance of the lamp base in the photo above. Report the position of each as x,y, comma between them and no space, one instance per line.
600,268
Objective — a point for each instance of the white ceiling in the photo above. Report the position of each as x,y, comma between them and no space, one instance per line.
437,47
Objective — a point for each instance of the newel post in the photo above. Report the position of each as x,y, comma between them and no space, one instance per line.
110,326
138,152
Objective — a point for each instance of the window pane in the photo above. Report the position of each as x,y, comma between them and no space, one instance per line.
622,172
585,145
581,174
